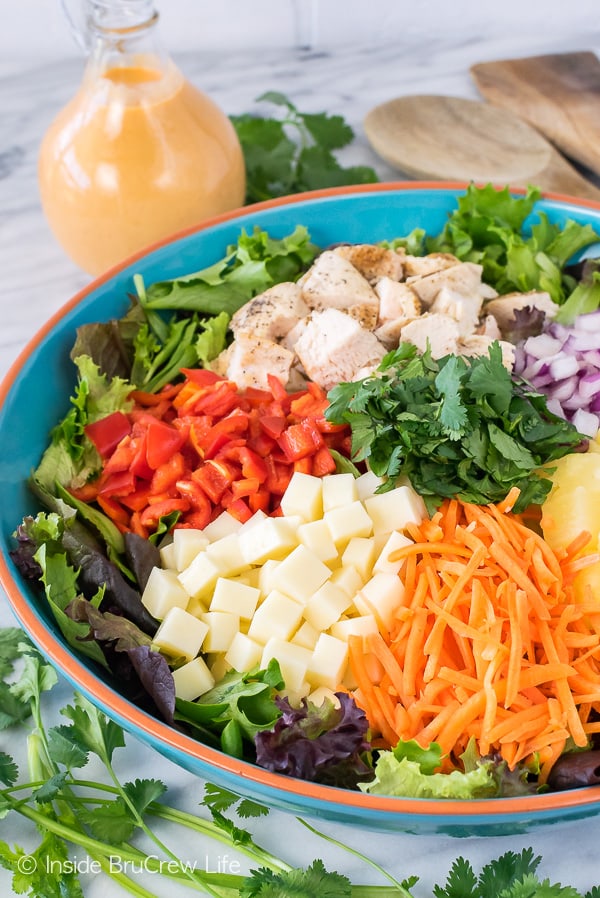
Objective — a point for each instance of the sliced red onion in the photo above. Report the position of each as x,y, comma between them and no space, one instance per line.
586,422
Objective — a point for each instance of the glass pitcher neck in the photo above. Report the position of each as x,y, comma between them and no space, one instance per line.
120,17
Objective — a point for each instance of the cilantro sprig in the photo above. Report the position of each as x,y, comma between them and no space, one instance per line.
453,426
295,151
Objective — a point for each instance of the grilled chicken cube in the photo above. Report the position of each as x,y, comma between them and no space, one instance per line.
272,314
373,262
333,347
422,266
465,309
440,333
464,278
334,283
503,307
479,344
250,359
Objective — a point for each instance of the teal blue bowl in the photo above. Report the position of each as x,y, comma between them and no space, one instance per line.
34,396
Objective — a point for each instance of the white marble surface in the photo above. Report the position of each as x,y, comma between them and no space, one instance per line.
36,279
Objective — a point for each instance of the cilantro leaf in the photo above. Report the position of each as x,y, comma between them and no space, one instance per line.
8,769
92,730
297,883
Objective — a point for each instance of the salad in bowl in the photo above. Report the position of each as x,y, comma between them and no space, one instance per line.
329,509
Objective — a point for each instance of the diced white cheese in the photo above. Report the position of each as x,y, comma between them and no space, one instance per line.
192,680
383,595
167,557
366,484
360,553
244,653
219,666
163,591
321,694
395,540
395,509
328,662
222,627
271,538
315,536
363,625
306,635
303,497
338,490
300,574
227,554
234,597
187,542
326,605
180,634
199,578
348,579
279,615
348,521
223,525
293,661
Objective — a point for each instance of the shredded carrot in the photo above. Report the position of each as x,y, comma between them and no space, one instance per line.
490,644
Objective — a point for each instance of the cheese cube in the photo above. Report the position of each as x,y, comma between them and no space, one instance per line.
293,661
199,577
278,615
227,554
218,666
326,605
348,521
224,525
244,653
395,540
383,595
222,627
367,483
187,542
339,490
192,680
303,497
163,591
328,662
234,597
167,557
197,607
300,574
265,576
269,538
360,553
306,635
315,536
256,518
363,625
395,509
180,634
348,579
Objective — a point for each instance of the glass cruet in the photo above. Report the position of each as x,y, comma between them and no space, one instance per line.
139,153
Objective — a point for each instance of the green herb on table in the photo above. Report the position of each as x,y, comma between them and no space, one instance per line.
454,426
295,151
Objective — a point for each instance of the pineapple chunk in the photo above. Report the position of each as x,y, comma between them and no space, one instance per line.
300,574
348,521
328,662
278,615
303,497
339,490
222,627
192,680
180,634
395,509
293,661
235,597
162,592
326,605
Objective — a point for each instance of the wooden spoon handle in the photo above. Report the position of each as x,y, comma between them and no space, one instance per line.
560,177
559,94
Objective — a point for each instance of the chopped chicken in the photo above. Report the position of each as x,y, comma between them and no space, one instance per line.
421,266
479,344
373,262
333,347
396,300
250,359
465,309
488,327
503,307
334,283
464,277
438,332
272,314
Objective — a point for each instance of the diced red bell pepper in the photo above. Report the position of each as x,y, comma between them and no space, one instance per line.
323,462
162,441
252,464
151,515
121,483
299,440
240,510
167,474
273,425
244,487
278,476
204,377
107,432
214,477
115,511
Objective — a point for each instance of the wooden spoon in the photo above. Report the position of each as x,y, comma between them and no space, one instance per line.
450,138
559,94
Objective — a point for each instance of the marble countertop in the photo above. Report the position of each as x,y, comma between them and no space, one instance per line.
37,279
